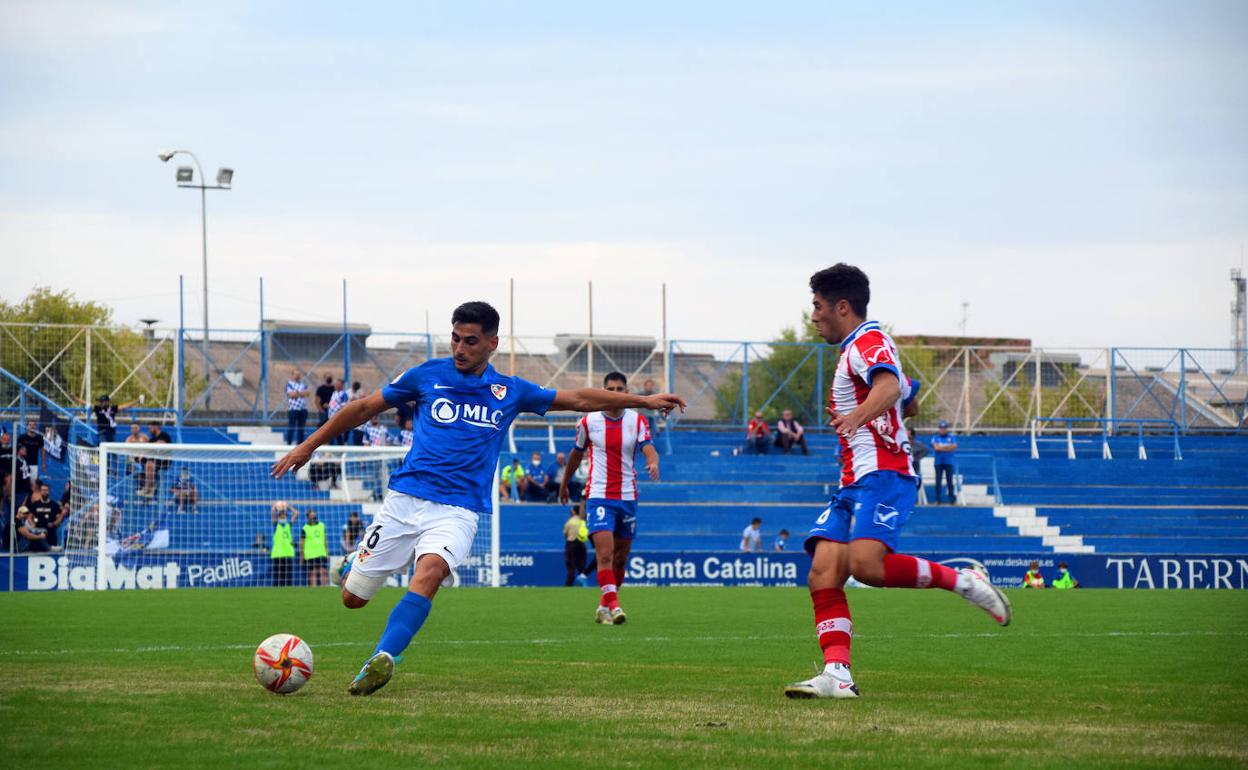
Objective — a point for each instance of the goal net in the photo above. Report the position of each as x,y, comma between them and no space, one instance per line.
207,515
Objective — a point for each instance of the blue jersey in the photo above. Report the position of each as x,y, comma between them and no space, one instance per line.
944,458
459,422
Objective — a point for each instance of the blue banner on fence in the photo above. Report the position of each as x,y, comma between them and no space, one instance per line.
48,572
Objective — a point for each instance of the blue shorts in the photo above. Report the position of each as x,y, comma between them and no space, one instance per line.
878,505
618,517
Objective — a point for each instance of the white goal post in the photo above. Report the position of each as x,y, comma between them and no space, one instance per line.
203,515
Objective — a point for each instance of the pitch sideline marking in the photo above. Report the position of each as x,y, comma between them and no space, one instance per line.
651,639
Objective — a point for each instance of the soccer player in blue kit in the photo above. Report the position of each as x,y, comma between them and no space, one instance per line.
462,410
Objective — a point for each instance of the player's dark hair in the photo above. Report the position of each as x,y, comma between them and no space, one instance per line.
757,521
615,377
843,282
481,313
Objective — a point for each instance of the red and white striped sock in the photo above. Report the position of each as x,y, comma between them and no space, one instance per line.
606,584
832,624
901,571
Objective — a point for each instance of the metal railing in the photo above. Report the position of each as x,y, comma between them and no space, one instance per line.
1105,427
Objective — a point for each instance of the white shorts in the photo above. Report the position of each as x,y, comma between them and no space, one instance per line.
407,528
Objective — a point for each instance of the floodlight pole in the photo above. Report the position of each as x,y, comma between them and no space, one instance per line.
203,188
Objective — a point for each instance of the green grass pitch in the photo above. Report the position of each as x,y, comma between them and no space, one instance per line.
523,678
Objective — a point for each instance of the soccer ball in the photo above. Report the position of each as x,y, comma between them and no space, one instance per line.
283,663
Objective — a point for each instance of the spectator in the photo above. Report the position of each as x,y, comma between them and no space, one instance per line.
752,536
315,551
538,479
406,435
1033,578
1064,579
554,472
296,407
337,401
782,540
282,554
136,435
32,439
376,433
153,537
944,445
185,493
44,515
357,433
22,480
789,432
6,450
155,464
756,434
106,417
323,474
53,443
575,553
575,484
258,545
512,479
30,538
352,532
4,506
324,392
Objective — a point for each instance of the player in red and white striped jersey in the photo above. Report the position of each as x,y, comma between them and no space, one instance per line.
858,532
611,439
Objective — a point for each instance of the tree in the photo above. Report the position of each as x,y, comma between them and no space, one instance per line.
48,339
783,374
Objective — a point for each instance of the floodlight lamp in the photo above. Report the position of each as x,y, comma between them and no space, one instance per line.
224,176
166,155
186,174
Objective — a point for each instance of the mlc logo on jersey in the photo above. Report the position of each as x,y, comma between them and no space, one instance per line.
446,411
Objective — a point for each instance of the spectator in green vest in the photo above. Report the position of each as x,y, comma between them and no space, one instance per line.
1033,578
512,482
282,554
1064,579
315,551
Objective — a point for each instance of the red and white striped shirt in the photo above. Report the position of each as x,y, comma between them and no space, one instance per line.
611,445
882,444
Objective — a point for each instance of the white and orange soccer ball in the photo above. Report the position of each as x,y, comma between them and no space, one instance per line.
283,663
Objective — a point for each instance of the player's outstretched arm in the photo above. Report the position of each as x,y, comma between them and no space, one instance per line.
885,390
355,413
569,470
596,399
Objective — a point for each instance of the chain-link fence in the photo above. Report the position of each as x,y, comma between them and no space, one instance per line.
240,376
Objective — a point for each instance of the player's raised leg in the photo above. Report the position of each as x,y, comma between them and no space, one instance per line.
872,563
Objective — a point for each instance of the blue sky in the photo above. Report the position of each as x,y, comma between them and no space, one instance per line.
1078,172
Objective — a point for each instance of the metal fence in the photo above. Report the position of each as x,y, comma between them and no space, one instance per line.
164,373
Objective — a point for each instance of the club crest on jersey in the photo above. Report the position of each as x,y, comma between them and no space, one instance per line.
499,391
878,353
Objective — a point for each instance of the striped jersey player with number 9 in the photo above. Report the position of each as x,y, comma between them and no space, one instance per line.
462,409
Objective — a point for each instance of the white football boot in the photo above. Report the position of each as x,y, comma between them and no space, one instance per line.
603,615
617,616
979,590
373,676
834,681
